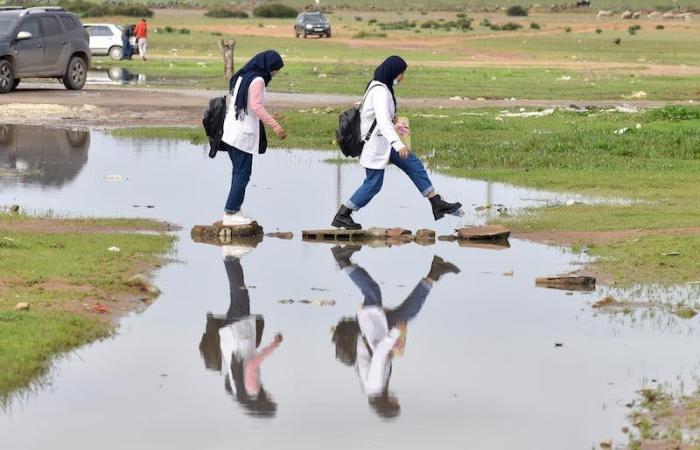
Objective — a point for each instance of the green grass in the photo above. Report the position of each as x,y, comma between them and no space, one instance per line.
29,339
656,166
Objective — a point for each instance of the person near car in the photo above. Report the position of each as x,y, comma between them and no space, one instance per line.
384,145
127,49
141,33
244,131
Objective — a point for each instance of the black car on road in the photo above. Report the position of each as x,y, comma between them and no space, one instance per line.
42,42
312,23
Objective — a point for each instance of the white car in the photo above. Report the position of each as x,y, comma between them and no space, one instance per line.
105,39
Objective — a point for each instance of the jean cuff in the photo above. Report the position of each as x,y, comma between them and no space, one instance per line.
425,285
427,191
350,205
230,211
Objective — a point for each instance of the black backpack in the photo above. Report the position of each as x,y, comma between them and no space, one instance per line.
348,133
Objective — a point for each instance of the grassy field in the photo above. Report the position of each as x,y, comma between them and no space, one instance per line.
64,276
655,162
545,63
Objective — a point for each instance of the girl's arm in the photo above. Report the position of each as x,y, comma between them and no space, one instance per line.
385,123
255,104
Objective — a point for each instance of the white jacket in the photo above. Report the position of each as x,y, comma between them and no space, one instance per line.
244,132
380,105
374,364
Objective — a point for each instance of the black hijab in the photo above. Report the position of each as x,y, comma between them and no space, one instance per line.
259,66
387,72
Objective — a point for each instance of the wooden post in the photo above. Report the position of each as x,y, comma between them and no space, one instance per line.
227,46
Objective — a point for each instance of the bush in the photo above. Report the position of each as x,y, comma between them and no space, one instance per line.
131,10
401,25
276,10
511,26
516,11
485,23
220,12
461,16
598,30
535,26
567,29
368,34
184,31
633,29
83,8
169,29
660,27
617,41
358,18
372,21
462,24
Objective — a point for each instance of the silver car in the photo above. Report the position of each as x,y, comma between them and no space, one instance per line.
42,42
105,39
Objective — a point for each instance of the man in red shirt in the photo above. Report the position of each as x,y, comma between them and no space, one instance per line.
141,33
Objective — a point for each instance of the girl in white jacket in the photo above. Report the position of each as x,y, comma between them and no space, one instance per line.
384,145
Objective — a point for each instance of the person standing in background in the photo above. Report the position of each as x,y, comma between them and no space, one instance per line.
141,33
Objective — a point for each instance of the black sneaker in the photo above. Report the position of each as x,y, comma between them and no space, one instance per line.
441,207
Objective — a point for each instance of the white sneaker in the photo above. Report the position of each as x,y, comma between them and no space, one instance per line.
234,219
235,251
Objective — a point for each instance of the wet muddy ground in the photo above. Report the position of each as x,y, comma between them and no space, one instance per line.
487,359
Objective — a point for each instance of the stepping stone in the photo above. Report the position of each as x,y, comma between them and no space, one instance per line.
399,235
483,233
569,283
219,234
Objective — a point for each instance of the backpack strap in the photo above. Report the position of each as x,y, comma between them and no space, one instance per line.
374,124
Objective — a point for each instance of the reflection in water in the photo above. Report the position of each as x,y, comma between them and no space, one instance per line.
115,75
370,340
230,342
44,156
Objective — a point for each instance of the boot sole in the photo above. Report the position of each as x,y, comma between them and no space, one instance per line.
442,214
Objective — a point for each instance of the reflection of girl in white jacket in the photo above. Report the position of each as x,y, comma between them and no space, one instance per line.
378,119
370,341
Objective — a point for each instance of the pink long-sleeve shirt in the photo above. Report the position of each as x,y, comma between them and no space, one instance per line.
255,104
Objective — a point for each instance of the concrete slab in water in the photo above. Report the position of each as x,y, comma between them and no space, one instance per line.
219,234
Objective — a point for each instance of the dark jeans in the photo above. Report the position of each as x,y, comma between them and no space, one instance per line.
411,166
373,297
126,49
242,168
240,301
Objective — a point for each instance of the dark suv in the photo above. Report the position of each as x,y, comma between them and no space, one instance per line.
309,23
42,42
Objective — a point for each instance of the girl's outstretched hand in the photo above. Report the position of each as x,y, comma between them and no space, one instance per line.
281,133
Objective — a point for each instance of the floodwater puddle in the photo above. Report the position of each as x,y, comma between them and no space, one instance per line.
460,348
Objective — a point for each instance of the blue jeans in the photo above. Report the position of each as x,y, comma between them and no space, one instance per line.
242,168
406,311
411,166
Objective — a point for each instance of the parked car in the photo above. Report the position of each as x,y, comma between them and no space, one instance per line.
105,39
42,42
310,23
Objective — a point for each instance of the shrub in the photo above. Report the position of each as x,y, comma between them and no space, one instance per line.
598,30
358,18
485,23
401,25
516,11
184,31
368,34
277,10
423,13
220,12
169,29
535,26
633,29
131,10
372,21
567,29
216,33
461,16
511,26
617,41
660,27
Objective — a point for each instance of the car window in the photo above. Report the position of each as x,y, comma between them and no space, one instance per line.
6,24
51,26
99,30
69,23
32,26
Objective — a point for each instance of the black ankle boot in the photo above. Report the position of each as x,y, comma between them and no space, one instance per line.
440,267
342,255
342,219
441,207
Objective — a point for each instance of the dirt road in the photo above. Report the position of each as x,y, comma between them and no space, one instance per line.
51,104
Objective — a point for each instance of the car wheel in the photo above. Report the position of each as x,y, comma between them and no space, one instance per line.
7,76
328,35
76,73
116,53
